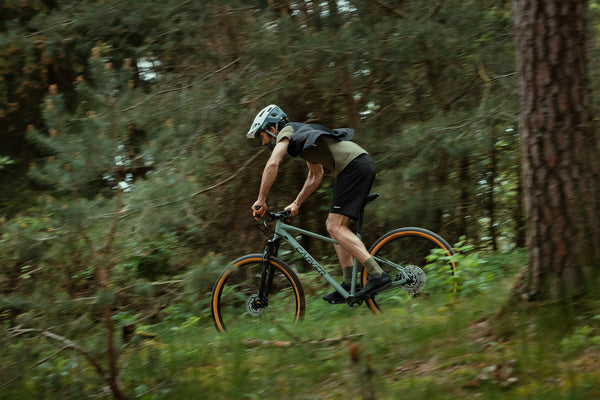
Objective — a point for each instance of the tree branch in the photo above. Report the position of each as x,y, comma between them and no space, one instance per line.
391,9
188,86
216,185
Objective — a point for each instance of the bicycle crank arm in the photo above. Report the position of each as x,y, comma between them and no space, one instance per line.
356,300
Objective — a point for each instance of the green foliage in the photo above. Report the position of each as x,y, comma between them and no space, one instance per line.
444,353
582,338
468,275
415,96
429,87
476,272
151,258
4,161
99,121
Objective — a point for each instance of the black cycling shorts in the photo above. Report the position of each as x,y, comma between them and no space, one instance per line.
352,187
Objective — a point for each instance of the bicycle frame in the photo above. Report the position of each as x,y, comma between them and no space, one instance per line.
284,231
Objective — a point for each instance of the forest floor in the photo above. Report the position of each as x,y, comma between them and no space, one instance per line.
474,346
468,349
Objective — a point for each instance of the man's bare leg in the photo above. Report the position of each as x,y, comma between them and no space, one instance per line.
349,244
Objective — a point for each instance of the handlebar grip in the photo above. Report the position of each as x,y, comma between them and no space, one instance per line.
280,215
256,216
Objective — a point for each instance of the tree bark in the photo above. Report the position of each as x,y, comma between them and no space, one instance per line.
491,203
465,195
518,216
559,146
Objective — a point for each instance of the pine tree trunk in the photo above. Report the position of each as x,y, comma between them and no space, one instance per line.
559,146
465,195
113,378
517,214
491,203
442,182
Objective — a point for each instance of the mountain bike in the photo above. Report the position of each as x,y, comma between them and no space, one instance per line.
262,288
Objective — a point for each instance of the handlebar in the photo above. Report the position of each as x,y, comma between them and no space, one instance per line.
280,215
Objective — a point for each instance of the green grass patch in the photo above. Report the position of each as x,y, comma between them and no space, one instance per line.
422,349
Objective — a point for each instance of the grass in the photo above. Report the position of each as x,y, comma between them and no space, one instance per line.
414,352
420,350
446,356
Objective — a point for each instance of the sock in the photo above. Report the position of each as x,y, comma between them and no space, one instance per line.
347,271
373,268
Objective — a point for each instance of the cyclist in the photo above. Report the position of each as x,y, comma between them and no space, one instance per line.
334,152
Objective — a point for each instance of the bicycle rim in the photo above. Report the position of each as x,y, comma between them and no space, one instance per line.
233,294
409,248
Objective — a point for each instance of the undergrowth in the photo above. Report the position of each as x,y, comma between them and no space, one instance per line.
457,350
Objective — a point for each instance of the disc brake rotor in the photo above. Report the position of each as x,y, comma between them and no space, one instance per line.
416,279
253,307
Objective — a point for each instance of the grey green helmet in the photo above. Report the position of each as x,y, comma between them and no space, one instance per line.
271,114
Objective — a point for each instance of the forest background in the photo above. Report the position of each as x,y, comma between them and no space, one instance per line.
126,178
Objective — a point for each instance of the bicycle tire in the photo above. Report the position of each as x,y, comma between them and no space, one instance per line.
410,247
239,282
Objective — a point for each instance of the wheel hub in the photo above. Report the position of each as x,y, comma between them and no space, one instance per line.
254,306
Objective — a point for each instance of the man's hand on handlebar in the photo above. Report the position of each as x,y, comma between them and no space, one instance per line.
259,210
293,208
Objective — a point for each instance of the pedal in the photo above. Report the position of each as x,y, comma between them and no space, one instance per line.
338,301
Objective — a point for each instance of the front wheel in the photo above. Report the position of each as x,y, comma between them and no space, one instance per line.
235,301
402,253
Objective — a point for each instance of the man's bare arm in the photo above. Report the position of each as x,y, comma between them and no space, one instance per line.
268,177
313,180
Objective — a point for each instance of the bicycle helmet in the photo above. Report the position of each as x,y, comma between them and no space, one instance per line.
271,114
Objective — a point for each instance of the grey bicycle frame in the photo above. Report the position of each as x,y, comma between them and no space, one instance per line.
283,230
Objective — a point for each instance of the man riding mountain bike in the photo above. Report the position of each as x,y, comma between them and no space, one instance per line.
352,167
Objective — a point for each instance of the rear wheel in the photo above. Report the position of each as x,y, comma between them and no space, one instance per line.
407,249
235,302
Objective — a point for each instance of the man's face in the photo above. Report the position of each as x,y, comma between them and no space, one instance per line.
267,140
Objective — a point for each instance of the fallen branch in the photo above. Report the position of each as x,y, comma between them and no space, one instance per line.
68,344
72,345
289,343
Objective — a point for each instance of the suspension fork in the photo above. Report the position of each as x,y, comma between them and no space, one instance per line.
267,272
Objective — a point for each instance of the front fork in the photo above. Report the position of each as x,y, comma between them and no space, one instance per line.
267,272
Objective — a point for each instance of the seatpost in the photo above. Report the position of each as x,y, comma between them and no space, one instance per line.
359,232
359,226
368,199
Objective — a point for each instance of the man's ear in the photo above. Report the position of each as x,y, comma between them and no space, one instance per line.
272,130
